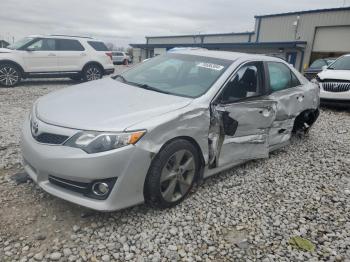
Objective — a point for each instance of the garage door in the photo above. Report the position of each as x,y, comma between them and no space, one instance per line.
332,39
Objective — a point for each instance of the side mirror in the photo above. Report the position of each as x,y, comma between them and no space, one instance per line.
30,49
324,67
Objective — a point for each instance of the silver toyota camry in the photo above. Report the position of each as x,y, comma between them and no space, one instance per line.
149,134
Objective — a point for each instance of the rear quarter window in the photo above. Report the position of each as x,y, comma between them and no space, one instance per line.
98,46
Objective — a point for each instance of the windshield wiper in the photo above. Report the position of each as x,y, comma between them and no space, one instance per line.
145,86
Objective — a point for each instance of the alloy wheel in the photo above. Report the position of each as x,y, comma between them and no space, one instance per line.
177,175
8,76
93,73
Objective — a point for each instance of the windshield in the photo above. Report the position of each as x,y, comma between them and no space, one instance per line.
177,74
20,43
330,61
342,63
318,64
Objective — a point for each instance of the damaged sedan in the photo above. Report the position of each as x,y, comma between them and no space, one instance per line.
149,134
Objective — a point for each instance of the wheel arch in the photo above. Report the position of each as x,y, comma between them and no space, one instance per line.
94,63
7,61
193,142
308,116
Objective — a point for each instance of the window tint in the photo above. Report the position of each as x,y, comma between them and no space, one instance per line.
247,82
44,45
98,46
69,45
120,54
281,77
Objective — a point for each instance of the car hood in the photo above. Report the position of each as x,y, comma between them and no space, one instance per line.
335,74
104,105
5,50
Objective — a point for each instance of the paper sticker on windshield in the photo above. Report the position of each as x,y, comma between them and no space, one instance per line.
211,66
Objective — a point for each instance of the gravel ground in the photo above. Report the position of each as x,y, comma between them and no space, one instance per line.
248,213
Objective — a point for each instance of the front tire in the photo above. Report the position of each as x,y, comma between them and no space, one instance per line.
172,174
92,72
10,75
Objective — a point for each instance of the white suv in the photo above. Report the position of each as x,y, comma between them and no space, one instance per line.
334,82
120,58
54,56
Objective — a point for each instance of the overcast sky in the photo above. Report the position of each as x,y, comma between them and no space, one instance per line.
129,21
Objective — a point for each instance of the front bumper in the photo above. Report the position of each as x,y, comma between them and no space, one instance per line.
128,164
335,98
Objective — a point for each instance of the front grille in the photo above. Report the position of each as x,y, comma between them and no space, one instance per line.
336,86
48,138
78,187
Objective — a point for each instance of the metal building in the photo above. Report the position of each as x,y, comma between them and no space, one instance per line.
298,37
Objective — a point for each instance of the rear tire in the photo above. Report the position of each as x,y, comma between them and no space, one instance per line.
10,75
92,72
172,174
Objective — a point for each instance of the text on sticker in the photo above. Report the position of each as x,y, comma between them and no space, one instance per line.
211,66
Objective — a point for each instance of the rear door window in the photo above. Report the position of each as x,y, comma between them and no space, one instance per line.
281,77
98,46
69,45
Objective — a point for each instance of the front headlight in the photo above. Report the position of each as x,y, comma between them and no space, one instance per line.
95,142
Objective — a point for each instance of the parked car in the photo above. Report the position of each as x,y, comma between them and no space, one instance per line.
150,133
334,82
54,56
120,58
317,66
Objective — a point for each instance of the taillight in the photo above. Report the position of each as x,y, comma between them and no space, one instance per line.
110,55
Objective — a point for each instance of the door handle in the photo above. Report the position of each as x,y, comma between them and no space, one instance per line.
51,54
82,54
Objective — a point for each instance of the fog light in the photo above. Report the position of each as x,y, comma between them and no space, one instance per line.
100,188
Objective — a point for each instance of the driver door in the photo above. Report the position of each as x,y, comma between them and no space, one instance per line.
250,114
41,56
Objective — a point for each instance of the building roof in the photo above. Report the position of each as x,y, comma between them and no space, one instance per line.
291,44
217,34
227,55
306,12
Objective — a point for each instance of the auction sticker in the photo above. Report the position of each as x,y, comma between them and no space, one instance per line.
211,66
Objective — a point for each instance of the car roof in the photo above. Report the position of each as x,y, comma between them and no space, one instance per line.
227,55
66,37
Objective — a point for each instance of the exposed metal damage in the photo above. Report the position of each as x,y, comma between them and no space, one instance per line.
259,126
